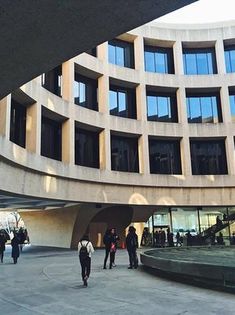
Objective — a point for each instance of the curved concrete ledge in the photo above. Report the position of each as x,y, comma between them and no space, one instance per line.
213,266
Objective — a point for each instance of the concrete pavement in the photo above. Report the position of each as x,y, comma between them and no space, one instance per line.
47,281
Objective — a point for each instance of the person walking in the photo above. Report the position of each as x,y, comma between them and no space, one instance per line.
15,253
85,249
107,244
3,241
132,245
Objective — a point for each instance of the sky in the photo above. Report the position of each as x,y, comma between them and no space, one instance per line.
202,11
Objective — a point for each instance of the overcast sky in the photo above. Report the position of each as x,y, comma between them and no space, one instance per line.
202,11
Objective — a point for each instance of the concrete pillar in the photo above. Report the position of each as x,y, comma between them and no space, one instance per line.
5,114
229,148
143,146
68,143
31,128
181,105
107,139
102,51
68,80
103,95
141,106
178,58
219,53
185,156
225,104
139,53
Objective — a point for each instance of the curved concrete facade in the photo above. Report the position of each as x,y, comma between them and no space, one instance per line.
33,175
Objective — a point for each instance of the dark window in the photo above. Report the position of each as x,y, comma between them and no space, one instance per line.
204,108
208,157
164,156
86,148
51,138
122,102
229,53
232,104
85,92
161,107
18,123
199,61
52,80
124,154
92,52
121,53
158,59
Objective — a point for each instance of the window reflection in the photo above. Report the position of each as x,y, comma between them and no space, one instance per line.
232,105
158,59
121,53
230,59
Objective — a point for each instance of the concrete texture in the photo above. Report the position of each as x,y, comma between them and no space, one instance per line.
206,265
37,36
47,281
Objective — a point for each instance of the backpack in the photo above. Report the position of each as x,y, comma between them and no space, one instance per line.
83,253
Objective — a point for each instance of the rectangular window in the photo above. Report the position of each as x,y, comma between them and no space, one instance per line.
230,59
203,108
121,53
85,92
122,102
52,80
208,157
158,59
124,154
18,123
232,105
86,147
161,107
164,156
51,138
199,61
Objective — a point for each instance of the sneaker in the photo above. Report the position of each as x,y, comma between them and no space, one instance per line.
130,268
85,282
113,265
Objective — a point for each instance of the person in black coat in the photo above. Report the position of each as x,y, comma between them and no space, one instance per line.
107,244
132,245
3,241
15,248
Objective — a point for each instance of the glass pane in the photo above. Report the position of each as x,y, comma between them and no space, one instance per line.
122,101
76,89
191,66
210,63
227,61
202,66
149,61
82,92
232,60
152,107
120,56
111,54
232,106
206,107
160,63
163,108
215,108
194,113
112,100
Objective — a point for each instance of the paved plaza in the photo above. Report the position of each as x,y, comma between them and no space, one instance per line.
47,281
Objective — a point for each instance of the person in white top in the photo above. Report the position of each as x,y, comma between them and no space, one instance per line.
85,249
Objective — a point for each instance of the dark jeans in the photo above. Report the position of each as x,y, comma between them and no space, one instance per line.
107,251
112,258
86,267
133,258
2,255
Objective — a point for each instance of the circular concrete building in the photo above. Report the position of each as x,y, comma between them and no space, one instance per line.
143,122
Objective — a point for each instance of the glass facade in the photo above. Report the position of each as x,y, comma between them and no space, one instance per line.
18,123
232,104
124,154
52,80
86,147
164,156
208,157
161,107
85,92
158,59
229,53
199,61
51,138
203,108
122,102
121,53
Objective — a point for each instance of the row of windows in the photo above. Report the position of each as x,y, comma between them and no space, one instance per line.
197,61
207,156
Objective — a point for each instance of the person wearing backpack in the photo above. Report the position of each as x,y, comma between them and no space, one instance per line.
132,245
85,249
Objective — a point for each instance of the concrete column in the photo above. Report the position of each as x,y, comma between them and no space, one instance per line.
107,139
220,60
178,58
139,53
68,143
68,80
103,95
229,148
38,128
225,104
141,106
102,51
185,156
5,114
31,128
103,150
181,105
143,148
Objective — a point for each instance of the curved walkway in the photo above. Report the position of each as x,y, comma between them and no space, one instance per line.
47,281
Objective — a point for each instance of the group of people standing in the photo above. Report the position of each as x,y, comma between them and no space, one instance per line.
16,241
110,240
